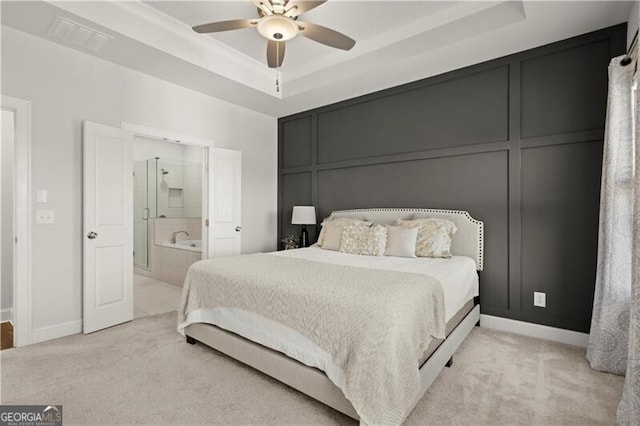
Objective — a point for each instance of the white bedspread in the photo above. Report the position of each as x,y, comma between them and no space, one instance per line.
457,275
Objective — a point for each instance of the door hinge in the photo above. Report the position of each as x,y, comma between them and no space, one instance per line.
206,223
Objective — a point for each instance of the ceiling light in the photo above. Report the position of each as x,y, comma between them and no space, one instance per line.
277,27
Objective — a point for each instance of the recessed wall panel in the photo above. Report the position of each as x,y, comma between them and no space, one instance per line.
476,183
110,201
560,204
296,142
226,172
109,273
465,110
565,91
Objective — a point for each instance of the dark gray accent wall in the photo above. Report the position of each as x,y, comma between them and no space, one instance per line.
516,141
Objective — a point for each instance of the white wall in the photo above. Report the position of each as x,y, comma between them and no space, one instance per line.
66,87
6,297
146,149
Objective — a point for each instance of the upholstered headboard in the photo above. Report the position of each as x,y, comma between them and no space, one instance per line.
468,241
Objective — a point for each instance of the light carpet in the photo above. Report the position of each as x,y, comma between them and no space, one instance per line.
143,372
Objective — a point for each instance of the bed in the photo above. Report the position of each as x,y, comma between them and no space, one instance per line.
262,338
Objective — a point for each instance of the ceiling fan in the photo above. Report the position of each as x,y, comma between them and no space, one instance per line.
278,22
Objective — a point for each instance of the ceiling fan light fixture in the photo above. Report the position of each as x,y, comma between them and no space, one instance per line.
277,27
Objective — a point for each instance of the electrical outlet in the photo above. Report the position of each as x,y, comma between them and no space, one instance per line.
539,299
45,217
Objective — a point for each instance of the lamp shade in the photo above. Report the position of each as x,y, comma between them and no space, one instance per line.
303,215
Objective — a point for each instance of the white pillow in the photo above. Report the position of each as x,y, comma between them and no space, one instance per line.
342,221
401,241
332,236
434,236
364,240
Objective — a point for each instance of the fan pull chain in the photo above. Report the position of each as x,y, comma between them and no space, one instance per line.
278,68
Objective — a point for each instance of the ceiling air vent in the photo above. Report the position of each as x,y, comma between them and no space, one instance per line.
77,34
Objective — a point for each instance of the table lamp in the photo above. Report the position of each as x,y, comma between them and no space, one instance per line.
304,215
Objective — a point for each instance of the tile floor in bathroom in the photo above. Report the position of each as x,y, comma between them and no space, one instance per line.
153,297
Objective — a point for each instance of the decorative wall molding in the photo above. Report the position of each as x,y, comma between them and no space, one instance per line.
515,141
535,330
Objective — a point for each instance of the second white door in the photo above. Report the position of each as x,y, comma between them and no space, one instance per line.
225,202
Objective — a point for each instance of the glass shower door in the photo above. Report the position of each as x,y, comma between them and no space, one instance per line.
140,214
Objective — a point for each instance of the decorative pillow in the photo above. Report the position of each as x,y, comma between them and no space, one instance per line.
401,241
364,240
332,236
434,236
342,221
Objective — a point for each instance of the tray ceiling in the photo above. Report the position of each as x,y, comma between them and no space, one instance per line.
397,42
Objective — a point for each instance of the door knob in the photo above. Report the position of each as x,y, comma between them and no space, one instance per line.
92,235
238,228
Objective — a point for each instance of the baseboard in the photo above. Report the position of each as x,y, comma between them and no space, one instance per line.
142,271
6,314
535,330
55,331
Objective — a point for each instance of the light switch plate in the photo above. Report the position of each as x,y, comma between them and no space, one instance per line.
539,299
45,217
41,195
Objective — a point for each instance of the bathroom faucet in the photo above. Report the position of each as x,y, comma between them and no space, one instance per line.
175,234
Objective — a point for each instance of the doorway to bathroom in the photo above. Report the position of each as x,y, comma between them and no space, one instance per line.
108,260
168,183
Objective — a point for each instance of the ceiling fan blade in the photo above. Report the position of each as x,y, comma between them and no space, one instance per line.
326,36
296,8
236,24
275,53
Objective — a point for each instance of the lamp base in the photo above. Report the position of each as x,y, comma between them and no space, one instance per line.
304,237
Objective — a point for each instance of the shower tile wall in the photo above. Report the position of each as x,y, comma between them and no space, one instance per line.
140,257
179,190
193,190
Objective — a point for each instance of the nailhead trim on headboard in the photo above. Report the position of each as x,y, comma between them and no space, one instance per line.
463,213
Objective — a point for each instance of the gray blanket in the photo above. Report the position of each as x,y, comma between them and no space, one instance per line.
375,323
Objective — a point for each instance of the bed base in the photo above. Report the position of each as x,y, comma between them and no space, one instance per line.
312,381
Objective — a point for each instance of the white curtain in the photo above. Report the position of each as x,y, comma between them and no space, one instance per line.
609,337
629,408
615,326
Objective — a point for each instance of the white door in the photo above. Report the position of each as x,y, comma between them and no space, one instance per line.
108,227
225,202
7,229
6,125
